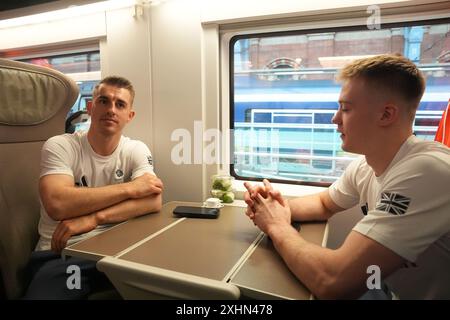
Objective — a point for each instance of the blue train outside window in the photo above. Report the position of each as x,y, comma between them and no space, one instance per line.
283,95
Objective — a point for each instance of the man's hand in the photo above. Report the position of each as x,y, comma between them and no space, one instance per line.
145,185
71,227
269,213
265,190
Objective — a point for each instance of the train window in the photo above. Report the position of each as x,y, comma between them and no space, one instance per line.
283,95
84,67
81,62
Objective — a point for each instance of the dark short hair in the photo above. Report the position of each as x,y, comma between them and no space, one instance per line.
119,82
392,72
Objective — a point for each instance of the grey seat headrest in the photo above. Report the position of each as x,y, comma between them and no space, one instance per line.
32,95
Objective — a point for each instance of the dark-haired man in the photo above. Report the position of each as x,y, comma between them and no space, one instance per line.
90,180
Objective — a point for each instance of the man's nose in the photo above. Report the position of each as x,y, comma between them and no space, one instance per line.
336,117
110,107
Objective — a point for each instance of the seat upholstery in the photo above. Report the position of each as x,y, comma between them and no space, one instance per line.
34,102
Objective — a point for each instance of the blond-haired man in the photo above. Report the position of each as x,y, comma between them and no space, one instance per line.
400,183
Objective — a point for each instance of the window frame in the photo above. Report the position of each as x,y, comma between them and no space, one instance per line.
230,38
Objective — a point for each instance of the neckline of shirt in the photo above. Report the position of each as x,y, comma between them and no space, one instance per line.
98,156
404,148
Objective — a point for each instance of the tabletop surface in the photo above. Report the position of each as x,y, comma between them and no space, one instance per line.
229,248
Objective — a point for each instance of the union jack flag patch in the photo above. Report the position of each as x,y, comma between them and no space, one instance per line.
393,203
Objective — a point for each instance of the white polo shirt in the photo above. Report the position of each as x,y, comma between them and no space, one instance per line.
72,154
406,209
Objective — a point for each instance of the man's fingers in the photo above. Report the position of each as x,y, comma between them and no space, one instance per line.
259,198
159,183
267,185
56,235
249,187
246,196
250,204
254,191
156,190
249,213
275,194
156,186
248,200
58,242
263,189
257,190
63,241
55,244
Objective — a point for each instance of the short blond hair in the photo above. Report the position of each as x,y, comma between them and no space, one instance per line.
391,72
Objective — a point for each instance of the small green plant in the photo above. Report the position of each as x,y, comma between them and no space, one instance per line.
222,183
222,188
228,197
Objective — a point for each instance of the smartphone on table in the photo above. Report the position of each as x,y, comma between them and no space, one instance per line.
196,212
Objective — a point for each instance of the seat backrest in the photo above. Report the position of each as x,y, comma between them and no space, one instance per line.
136,281
34,102
76,119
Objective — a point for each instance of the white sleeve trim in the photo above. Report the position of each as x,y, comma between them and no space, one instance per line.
332,191
56,171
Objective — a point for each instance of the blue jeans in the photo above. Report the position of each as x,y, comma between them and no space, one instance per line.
378,294
50,277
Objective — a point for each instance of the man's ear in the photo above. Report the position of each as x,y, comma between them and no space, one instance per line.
89,107
131,115
389,114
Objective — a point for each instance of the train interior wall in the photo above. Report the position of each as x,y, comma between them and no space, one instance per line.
171,52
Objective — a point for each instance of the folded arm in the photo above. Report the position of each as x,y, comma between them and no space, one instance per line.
62,200
116,213
129,209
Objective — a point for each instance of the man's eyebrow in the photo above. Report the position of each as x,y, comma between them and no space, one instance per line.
122,101
106,97
344,101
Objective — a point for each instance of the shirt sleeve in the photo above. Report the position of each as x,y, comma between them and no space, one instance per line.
142,160
413,207
56,157
343,191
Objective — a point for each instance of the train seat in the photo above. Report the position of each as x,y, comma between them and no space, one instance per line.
34,102
136,281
